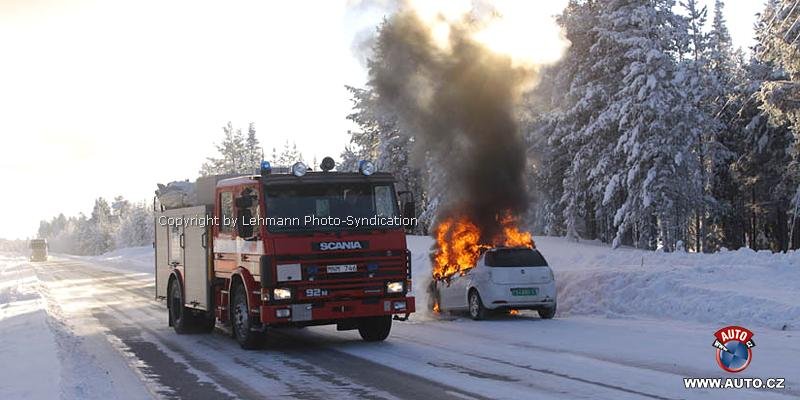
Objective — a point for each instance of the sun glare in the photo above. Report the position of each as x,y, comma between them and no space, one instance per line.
524,30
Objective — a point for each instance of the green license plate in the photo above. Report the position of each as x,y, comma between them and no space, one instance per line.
524,292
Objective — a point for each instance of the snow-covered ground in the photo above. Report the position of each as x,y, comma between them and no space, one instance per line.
733,287
47,348
631,324
27,345
135,259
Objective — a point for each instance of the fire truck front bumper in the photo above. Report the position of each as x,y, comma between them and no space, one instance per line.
336,310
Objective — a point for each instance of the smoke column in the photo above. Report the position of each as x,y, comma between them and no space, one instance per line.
458,102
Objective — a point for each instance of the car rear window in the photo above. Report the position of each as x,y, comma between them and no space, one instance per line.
515,258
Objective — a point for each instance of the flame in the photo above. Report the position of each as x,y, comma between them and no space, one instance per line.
458,247
513,312
513,236
458,243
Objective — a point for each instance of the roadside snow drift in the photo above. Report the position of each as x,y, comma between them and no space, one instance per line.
731,287
28,348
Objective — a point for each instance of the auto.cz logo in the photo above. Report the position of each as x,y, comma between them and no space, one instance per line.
734,346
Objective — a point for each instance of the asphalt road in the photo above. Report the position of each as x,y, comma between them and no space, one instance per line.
508,357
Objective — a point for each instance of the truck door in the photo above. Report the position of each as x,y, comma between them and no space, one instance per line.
169,248
197,257
162,256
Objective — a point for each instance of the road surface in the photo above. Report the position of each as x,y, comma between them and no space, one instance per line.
113,342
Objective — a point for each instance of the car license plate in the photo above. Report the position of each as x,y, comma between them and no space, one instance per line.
335,269
524,292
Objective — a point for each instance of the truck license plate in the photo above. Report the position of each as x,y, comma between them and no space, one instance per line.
523,292
335,269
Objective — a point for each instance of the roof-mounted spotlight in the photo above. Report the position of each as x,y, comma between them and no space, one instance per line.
327,164
366,168
299,169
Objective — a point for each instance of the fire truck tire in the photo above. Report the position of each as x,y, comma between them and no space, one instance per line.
180,318
476,309
375,329
242,321
547,312
206,322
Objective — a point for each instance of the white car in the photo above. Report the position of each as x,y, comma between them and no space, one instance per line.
503,279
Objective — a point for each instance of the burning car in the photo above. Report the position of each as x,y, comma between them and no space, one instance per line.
503,278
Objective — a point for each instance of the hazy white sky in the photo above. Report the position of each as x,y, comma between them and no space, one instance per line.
100,98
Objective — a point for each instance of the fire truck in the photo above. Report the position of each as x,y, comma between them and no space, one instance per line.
286,248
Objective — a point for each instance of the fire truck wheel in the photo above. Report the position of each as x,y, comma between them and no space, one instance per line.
242,321
476,309
206,322
547,313
375,329
179,316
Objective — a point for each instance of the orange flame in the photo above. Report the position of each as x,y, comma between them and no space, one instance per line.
458,243
513,237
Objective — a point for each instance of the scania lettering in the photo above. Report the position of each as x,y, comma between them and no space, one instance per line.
249,275
339,245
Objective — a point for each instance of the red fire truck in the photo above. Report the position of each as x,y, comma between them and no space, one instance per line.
286,249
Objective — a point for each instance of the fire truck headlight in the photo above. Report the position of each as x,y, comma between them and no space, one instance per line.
281,294
394,287
283,313
399,305
365,167
299,169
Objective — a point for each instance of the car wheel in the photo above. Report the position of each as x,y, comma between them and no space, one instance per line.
375,329
242,322
179,317
547,312
476,309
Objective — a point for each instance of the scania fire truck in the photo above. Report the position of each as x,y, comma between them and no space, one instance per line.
297,248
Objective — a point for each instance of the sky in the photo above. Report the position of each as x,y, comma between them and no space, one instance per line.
105,98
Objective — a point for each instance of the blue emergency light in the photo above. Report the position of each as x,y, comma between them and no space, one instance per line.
265,167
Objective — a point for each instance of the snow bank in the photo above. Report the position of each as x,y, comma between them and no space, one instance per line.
128,259
420,247
732,287
27,345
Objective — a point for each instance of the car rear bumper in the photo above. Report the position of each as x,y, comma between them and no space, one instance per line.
499,296
336,310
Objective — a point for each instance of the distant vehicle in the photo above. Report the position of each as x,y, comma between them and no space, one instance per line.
38,250
503,279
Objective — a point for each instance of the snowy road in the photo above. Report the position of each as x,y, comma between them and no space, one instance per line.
112,341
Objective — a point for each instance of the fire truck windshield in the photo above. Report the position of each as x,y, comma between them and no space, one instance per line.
340,206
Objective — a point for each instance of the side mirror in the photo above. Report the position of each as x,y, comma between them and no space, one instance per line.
244,228
409,209
244,202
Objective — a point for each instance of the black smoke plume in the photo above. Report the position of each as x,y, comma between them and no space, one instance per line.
458,102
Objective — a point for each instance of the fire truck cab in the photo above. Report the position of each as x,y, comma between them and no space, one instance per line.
286,249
